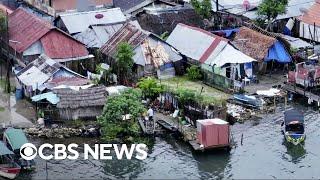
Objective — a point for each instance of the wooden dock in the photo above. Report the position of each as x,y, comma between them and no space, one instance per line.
149,129
301,91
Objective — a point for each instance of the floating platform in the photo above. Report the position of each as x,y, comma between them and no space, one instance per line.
196,146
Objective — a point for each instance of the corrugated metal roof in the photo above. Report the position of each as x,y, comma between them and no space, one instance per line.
312,16
128,33
294,8
193,42
96,36
58,46
26,29
40,71
296,42
127,4
80,21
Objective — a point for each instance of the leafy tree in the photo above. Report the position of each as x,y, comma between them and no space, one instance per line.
186,96
150,87
111,120
3,23
202,8
124,61
270,9
194,73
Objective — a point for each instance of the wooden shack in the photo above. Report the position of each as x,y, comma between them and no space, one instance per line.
81,104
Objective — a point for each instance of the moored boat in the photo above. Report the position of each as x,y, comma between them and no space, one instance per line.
14,139
293,127
8,168
167,125
247,100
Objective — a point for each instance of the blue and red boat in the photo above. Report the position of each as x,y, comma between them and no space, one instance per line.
293,127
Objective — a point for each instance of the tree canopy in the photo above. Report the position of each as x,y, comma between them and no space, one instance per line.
150,87
270,9
116,107
202,8
124,61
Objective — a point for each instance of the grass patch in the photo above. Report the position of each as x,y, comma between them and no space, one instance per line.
2,109
3,84
211,95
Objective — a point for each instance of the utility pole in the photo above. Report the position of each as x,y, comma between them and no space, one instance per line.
217,5
8,86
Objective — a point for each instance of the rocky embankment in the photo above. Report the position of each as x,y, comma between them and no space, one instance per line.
63,132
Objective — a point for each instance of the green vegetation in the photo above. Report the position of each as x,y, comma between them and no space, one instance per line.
270,9
150,87
2,109
202,8
203,94
164,36
3,23
111,120
3,85
194,73
124,62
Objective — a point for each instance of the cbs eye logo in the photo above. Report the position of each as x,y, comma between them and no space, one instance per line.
28,151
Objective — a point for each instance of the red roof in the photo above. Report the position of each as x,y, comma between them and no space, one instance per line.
64,5
312,16
59,46
26,29
69,81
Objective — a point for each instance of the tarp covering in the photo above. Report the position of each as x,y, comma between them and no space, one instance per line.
278,53
15,137
293,115
230,55
228,32
50,96
4,150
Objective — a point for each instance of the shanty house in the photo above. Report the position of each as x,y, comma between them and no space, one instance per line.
97,35
29,36
159,21
219,60
152,55
262,46
77,22
82,104
310,22
45,73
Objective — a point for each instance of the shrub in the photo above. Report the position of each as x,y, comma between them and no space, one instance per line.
194,73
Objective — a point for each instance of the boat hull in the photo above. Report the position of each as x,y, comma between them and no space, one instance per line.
9,173
295,139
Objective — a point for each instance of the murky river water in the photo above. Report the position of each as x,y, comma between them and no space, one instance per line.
262,155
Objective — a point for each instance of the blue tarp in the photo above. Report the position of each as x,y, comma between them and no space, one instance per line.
228,32
4,150
50,96
278,53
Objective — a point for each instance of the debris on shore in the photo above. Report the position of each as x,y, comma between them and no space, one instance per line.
63,132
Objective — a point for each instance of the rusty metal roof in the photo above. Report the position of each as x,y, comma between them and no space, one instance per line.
59,46
128,33
26,29
312,16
